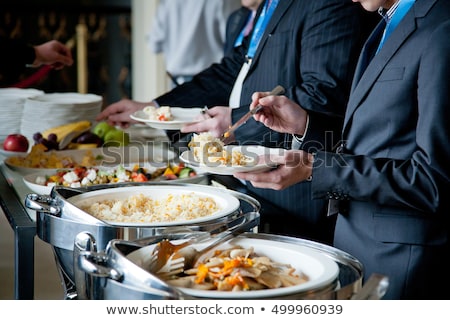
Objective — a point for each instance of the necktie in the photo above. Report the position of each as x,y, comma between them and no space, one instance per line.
394,20
369,50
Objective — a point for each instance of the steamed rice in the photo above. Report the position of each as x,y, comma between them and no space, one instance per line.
144,209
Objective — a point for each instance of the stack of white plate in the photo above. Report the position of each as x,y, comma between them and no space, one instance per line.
55,109
12,102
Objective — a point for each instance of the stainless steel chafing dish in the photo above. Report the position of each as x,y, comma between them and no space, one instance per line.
113,274
59,222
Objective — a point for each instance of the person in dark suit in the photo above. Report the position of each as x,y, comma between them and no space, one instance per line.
16,55
390,182
240,24
308,47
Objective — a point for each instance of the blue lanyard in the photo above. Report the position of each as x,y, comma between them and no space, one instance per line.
260,27
398,15
241,36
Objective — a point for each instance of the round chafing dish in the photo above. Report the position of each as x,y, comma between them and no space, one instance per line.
113,274
59,221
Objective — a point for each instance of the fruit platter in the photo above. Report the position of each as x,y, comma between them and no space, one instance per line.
81,135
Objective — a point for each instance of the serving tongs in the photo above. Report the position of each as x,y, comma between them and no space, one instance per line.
168,258
278,90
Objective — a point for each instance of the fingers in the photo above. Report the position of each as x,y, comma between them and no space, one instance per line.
65,55
207,125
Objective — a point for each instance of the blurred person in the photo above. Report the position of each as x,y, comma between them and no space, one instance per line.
308,47
389,182
15,56
240,24
190,34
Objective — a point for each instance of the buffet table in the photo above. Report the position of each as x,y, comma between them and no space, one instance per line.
12,194
27,223
22,220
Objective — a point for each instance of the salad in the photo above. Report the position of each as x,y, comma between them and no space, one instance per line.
81,176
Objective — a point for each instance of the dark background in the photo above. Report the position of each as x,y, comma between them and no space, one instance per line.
109,44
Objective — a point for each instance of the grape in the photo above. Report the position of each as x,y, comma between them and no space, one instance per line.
52,145
37,137
52,137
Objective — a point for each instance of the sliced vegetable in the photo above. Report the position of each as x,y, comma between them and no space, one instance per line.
185,173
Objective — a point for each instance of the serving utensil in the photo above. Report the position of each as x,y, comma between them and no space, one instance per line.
278,90
163,257
187,257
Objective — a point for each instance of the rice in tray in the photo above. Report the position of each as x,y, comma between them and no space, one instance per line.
144,209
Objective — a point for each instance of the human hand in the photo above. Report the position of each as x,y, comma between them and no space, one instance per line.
279,113
293,166
52,53
215,121
118,114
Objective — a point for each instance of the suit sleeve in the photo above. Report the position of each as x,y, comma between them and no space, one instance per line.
421,182
330,44
210,87
14,55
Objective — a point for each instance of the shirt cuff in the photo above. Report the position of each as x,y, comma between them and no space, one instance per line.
300,138
156,103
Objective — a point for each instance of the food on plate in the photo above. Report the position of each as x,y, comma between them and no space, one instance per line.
209,150
237,269
16,142
51,142
64,130
60,137
140,208
39,158
158,114
88,176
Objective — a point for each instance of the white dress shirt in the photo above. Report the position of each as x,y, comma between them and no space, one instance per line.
190,33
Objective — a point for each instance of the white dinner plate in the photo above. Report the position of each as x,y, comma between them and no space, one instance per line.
257,153
108,156
320,269
226,202
181,116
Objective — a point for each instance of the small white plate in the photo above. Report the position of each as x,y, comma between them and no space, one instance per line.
226,202
181,116
255,152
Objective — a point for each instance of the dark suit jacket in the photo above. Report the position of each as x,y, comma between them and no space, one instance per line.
310,48
235,23
14,55
395,169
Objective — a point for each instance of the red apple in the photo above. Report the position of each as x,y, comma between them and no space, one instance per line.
16,142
